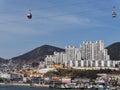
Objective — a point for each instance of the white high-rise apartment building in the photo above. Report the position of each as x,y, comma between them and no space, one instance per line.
87,50
57,58
93,51
71,53
90,54
99,50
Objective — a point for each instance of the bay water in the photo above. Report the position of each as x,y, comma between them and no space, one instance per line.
31,88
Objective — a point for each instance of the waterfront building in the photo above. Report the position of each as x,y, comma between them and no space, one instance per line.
9,76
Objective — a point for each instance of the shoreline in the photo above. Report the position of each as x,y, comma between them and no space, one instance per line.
40,86
24,85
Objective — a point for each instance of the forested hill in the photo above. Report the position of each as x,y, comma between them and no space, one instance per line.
114,51
37,54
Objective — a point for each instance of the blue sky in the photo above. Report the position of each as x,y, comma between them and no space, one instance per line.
56,22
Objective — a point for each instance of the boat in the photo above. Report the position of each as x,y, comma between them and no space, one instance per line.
65,86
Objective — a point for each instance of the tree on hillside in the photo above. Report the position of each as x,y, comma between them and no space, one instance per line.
35,64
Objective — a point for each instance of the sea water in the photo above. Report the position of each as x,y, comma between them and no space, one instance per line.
32,88
21,88
27,88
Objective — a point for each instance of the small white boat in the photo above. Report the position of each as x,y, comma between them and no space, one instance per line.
65,86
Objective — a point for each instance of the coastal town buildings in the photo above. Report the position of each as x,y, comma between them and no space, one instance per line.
88,55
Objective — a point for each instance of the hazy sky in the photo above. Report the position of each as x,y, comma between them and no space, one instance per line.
56,22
